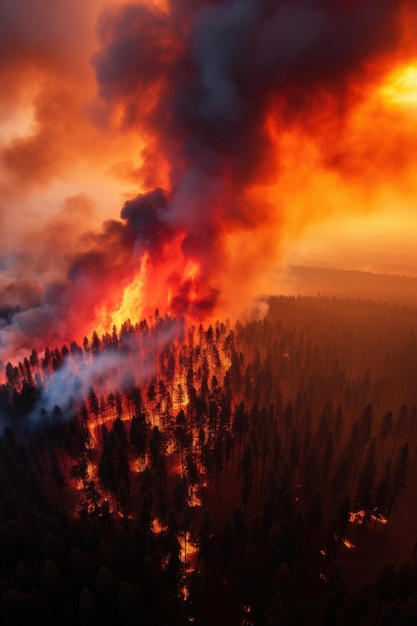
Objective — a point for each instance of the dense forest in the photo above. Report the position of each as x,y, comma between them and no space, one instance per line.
257,473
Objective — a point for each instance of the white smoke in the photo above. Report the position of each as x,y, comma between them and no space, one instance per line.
136,362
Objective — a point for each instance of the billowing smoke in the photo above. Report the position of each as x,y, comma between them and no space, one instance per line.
212,89
202,79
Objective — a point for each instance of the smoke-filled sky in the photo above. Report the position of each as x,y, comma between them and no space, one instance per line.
176,154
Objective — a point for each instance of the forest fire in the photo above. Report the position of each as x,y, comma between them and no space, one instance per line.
174,433
160,472
360,517
235,152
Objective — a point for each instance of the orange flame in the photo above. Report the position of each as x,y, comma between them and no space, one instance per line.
378,517
131,304
132,300
357,517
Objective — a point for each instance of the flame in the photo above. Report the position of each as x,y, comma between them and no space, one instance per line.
357,517
132,300
131,304
191,271
193,498
348,543
188,551
169,277
138,465
378,517
158,527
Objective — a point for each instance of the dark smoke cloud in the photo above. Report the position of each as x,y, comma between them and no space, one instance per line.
220,61
201,78
144,217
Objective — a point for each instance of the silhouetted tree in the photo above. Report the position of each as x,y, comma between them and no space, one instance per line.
206,540
384,587
315,514
88,608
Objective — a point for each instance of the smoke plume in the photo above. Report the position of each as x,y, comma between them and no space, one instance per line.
106,372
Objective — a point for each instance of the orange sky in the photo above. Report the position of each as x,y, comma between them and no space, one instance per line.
330,180
370,222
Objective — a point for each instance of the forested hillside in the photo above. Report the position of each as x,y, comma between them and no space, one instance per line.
259,473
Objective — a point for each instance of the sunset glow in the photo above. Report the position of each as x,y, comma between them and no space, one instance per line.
400,87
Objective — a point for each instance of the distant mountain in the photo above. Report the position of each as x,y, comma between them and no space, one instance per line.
299,279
